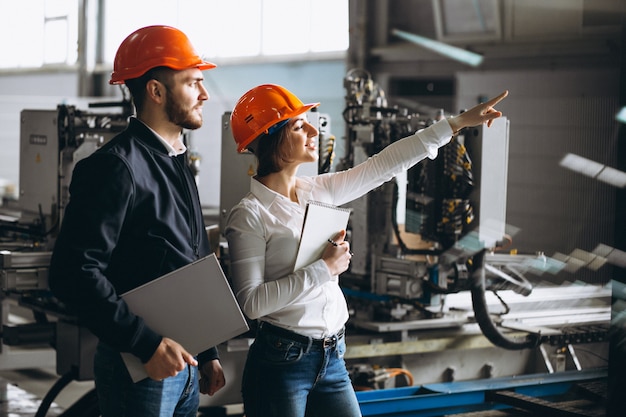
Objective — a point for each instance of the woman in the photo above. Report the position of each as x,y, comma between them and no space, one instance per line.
295,367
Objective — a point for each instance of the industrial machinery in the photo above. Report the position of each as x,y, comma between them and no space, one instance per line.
437,298
51,143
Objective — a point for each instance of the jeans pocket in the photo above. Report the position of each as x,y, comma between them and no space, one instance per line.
278,350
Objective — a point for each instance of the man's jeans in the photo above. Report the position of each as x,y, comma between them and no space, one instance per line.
286,377
118,396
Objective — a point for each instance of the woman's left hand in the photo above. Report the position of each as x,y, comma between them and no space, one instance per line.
337,254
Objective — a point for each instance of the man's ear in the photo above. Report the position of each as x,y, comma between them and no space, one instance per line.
155,90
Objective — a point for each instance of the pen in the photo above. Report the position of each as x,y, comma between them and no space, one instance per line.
332,242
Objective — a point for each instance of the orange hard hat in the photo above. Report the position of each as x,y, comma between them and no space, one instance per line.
155,46
261,108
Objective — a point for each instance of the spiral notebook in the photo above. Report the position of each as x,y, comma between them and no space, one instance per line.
194,305
321,222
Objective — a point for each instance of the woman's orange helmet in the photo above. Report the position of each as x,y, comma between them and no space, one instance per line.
155,46
261,108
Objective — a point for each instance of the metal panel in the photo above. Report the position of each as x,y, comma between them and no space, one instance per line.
489,148
459,397
39,158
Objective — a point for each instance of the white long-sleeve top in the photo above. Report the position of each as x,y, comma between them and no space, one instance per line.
263,231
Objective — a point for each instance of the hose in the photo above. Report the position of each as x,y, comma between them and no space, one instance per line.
481,313
393,372
58,386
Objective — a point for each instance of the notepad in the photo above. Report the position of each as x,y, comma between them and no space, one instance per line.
193,305
321,222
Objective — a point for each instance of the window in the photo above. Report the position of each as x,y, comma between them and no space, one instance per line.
47,30
38,32
237,28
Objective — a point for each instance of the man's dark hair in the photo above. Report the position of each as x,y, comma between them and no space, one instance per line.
137,86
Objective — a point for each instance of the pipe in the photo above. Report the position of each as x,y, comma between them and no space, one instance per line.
481,313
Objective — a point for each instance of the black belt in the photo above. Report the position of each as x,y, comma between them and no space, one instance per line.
325,342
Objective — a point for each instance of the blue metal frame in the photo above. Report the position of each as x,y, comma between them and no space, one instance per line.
467,396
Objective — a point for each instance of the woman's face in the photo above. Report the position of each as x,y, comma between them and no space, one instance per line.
301,145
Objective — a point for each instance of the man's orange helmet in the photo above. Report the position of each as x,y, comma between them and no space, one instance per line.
260,109
155,46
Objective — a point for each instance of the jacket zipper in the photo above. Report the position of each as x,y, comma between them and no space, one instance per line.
195,239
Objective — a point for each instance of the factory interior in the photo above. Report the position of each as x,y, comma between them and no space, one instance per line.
490,281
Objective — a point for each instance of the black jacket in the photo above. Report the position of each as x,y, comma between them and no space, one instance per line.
134,214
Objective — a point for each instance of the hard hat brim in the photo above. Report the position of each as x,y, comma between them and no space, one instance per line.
120,77
243,146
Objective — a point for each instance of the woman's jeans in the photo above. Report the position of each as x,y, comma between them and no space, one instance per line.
118,396
297,378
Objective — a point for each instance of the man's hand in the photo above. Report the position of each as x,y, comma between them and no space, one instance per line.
211,377
168,360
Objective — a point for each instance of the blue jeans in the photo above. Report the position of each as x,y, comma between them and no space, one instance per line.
118,396
287,377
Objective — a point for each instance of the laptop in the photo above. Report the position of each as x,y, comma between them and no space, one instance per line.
193,305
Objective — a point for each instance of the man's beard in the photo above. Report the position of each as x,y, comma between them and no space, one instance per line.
183,117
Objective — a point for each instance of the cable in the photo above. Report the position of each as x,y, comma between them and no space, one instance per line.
86,406
327,150
393,372
481,313
54,391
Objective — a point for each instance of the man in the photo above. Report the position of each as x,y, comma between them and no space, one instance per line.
134,214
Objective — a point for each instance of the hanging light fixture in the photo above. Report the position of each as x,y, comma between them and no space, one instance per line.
458,54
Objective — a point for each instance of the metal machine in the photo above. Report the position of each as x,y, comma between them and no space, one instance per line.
427,279
51,143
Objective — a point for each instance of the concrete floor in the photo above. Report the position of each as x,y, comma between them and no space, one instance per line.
22,391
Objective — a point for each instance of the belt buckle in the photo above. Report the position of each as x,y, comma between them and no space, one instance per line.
329,342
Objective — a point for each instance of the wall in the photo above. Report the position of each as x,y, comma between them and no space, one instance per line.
311,80
553,113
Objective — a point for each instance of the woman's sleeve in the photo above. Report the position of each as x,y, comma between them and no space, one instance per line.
397,157
258,297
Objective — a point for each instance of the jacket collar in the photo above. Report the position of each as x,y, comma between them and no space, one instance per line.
147,136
